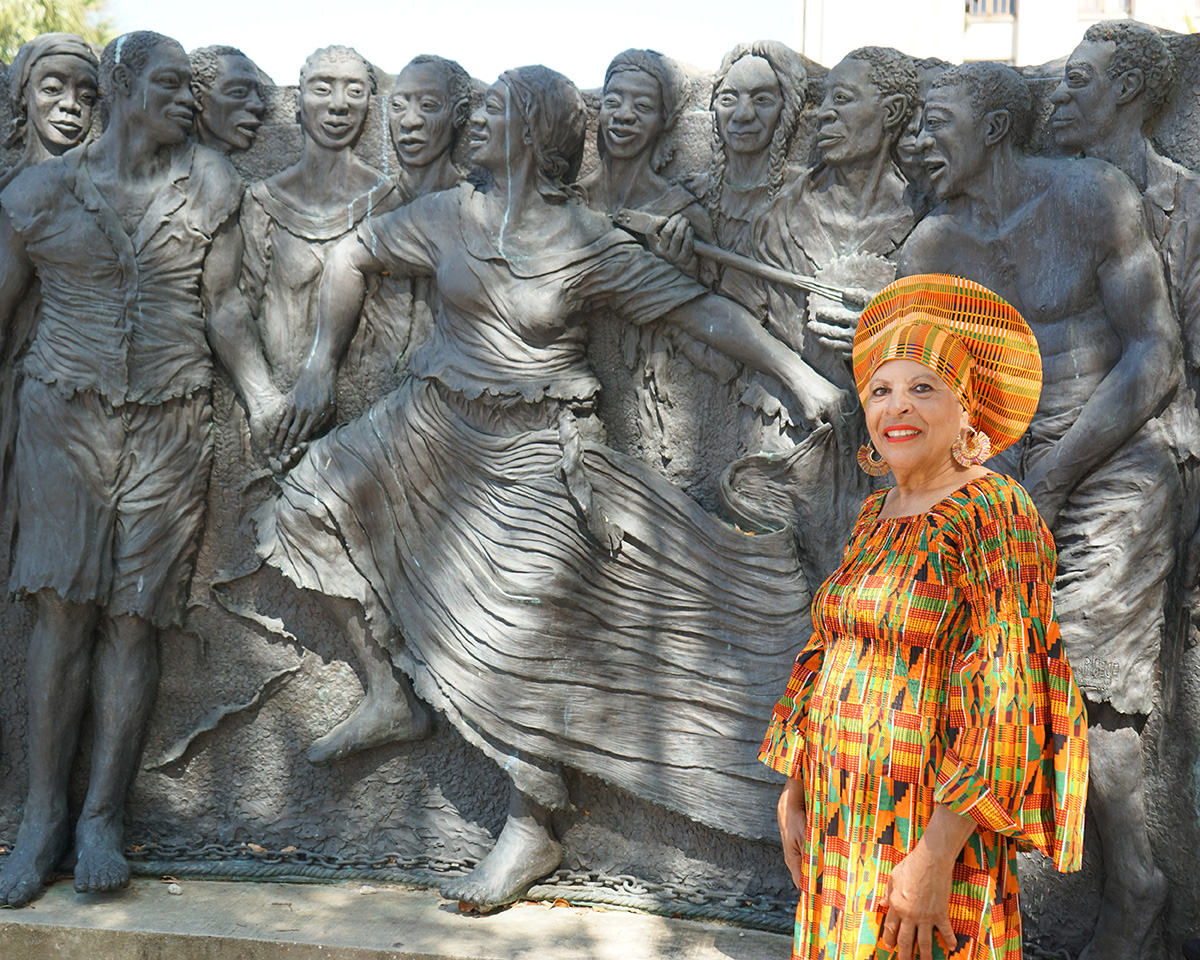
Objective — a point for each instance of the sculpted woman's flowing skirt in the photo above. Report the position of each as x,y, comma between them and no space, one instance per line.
654,668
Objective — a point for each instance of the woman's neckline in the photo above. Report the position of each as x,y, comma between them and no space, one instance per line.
987,477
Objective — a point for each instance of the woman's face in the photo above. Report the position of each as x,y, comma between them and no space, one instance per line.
59,100
421,114
631,114
913,416
334,101
748,106
496,138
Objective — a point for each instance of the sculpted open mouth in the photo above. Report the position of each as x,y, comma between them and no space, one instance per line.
934,167
622,134
72,131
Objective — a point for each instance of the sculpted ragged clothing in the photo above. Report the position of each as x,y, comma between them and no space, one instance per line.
121,312
115,442
285,251
470,503
936,675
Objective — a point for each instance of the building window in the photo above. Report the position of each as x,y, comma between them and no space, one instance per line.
1104,8
993,8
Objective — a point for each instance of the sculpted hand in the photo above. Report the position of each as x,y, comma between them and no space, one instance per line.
308,407
676,243
793,827
832,324
264,413
918,903
820,400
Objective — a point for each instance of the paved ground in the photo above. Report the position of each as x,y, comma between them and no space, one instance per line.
276,921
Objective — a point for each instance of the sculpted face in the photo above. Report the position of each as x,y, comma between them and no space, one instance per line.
421,114
1085,103
951,141
229,113
490,130
632,117
748,105
912,415
334,101
161,96
851,117
59,100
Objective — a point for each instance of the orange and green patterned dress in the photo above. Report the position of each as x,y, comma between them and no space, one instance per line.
935,674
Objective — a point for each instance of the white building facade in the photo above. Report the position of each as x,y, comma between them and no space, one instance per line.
1011,31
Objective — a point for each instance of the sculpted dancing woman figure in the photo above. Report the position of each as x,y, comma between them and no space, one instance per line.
529,566
932,727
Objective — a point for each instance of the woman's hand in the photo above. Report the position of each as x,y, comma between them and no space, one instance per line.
918,902
918,890
793,827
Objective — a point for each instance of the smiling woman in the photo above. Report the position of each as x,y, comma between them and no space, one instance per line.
932,725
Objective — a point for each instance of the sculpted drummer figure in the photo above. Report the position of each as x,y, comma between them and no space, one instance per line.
135,241
1066,243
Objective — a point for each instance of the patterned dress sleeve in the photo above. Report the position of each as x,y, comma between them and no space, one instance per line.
784,744
1014,741
783,747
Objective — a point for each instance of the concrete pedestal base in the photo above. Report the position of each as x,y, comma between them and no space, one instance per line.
277,921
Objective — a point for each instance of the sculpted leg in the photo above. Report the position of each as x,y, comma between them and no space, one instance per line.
524,852
1134,888
124,681
390,711
56,684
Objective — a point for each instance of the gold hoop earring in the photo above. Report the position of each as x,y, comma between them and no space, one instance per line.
972,451
870,462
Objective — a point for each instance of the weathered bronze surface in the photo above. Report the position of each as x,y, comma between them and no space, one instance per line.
466,484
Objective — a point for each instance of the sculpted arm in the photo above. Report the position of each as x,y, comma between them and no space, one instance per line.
730,328
16,273
1134,294
340,302
231,333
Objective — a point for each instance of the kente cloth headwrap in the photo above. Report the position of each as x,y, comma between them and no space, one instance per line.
44,45
934,319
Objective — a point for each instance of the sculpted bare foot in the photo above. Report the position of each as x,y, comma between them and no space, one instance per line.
525,852
377,720
29,866
1126,920
101,865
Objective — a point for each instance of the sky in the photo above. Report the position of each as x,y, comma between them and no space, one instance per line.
576,38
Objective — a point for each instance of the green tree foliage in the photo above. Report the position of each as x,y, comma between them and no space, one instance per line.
22,20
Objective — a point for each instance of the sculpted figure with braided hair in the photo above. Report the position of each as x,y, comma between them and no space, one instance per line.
134,239
757,99
1066,242
555,596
